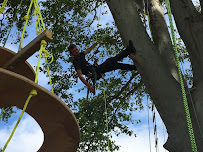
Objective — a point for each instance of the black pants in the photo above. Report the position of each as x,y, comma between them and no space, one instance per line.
112,64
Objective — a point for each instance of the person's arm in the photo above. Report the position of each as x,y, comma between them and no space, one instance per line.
90,49
79,72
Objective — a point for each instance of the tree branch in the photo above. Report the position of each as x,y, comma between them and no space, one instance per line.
201,4
93,18
130,17
189,6
1,22
95,10
118,106
133,90
123,88
92,139
161,35
190,27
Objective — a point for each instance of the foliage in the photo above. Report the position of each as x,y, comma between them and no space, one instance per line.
75,21
198,6
7,112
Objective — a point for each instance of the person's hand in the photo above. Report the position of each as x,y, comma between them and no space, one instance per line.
92,89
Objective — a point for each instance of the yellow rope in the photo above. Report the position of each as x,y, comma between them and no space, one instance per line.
2,111
46,55
37,23
32,93
26,18
38,18
3,6
40,15
106,114
42,49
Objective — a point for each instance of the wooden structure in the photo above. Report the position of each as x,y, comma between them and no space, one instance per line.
28,50
58,123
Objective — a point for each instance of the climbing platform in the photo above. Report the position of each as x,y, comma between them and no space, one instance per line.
58,123
24,68
28,50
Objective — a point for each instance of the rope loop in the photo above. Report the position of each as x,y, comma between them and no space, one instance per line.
38,32
36,11
26,17
43,43
1,9
46,55
33,92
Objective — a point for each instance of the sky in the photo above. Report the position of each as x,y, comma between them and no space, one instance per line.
29,136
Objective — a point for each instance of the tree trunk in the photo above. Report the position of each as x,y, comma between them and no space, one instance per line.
155,62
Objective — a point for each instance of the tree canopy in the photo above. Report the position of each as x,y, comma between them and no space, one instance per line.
79,22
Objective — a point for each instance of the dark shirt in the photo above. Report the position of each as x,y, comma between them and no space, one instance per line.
81,63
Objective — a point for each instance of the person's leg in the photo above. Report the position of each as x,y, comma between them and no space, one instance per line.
123,66
121,55
114,66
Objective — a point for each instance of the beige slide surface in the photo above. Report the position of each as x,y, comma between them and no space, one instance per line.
58,123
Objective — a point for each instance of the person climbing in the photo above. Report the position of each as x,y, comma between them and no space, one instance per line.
82,67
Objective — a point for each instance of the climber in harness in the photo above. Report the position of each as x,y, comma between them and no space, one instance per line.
95,72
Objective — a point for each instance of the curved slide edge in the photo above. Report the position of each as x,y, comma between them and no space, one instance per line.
58,123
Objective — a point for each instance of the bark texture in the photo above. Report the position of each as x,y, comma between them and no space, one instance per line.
190,26
156,63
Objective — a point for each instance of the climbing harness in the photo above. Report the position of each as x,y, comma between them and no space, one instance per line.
92,80
94,76
188,118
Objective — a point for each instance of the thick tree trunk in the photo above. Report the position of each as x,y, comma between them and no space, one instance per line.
156,64
190,26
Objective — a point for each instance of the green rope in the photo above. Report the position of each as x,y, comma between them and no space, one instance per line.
106,114
189,123
104,92
12,23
